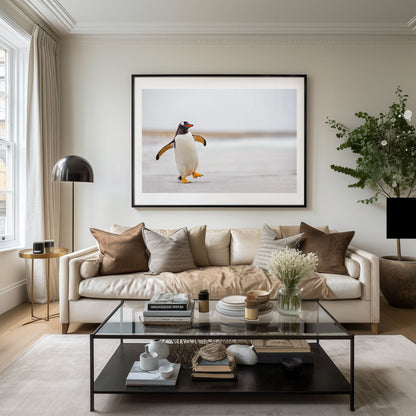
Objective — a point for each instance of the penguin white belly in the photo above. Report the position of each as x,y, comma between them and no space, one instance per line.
185,154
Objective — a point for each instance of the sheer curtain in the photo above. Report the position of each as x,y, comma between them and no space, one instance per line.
42,207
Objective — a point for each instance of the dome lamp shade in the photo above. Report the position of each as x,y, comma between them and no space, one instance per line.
72,169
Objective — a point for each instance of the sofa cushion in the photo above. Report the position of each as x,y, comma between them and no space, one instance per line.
343,287
121,253
89,268
218,247
168,254
220,282
330,248
353,268
243,245
269,243
196,237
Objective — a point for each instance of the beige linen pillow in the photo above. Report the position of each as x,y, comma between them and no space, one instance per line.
89,268
122,253
218,247
243,245
269,243
198,247
168,254
353,267
196,237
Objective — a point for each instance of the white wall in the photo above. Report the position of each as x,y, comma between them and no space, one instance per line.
344,76
12,280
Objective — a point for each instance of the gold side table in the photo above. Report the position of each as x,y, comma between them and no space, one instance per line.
55,252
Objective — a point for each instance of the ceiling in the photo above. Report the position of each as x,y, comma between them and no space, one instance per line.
227,17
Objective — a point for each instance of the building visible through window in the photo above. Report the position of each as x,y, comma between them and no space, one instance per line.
3,146
13,75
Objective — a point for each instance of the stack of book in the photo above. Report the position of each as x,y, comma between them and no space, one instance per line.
168,309
214,370
271,351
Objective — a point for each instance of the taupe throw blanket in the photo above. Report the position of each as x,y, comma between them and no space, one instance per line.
237,280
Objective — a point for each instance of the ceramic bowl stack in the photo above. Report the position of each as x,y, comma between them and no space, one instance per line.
231,306
263,298
235,305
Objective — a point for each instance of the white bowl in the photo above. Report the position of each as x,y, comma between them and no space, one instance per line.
166,371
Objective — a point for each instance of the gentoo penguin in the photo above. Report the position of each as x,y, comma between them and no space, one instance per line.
185,151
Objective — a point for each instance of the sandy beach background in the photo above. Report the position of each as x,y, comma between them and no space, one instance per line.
264,164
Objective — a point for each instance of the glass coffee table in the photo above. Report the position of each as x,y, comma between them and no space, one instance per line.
315,323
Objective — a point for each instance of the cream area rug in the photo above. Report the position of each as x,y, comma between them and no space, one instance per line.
52,378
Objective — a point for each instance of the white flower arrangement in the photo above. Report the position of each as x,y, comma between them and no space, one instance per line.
291,266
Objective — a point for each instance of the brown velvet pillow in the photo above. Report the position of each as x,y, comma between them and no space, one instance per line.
122,253
330,248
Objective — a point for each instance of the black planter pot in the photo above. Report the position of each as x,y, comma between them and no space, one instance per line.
398,281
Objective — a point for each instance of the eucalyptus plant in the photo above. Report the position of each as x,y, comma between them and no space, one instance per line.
386,149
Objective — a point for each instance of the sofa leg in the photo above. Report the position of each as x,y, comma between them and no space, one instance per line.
374,328
65,328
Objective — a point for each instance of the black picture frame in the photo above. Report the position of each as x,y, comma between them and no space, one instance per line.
264,166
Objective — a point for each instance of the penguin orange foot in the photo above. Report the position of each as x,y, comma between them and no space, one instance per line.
196,174
184,180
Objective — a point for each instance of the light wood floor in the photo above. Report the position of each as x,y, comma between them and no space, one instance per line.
16,337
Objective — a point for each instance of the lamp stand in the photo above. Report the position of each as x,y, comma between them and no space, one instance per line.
73,215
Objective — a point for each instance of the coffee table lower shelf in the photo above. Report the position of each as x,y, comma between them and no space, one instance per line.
323,377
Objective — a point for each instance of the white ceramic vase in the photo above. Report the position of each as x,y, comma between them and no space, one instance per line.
244,354
159,347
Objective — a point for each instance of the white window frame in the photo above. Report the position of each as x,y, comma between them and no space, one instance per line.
16,44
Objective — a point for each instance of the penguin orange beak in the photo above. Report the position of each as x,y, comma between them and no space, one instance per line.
189,125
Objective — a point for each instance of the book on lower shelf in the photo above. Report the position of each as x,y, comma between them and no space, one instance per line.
281,346
224,369
199,375
169,301
138,377
219,366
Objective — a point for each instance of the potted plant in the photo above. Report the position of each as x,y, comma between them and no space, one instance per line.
386,164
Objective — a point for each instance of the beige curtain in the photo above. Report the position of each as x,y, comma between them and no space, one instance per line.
43,129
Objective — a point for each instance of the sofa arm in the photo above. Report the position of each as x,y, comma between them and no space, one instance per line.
369,278
69,278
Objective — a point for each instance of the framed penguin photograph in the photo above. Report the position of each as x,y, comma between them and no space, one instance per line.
218,140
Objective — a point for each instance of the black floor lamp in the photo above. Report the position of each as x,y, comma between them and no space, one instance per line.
72,169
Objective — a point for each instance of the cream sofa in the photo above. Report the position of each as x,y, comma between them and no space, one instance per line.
230,251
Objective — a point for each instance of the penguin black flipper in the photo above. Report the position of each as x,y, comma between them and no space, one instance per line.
164,149
199,139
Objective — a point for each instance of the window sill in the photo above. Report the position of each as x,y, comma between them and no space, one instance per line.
11,246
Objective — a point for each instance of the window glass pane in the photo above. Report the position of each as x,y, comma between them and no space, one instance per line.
6,214
2,93
3,134
3,167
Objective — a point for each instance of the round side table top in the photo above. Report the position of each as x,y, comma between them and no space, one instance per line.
55,252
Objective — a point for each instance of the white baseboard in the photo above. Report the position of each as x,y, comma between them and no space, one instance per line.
13,295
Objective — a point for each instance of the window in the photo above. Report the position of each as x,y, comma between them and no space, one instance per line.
6,154
13,72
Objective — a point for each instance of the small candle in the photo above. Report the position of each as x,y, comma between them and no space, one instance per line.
251,309
203,301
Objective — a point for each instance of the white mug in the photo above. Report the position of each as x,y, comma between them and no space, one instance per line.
149,360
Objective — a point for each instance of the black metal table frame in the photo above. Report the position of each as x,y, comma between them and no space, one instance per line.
347,336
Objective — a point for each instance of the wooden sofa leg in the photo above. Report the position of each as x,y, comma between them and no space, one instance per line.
65,328
374,328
